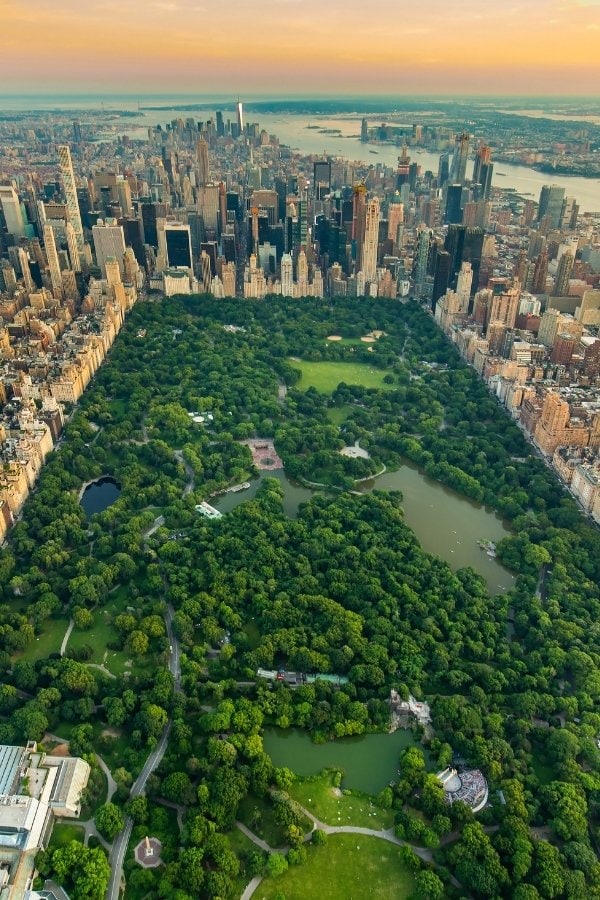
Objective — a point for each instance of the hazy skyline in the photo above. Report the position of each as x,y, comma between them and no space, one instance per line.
543,47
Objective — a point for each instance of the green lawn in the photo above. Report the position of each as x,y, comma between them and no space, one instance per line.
102,632
337,415
355,808
46,643
325,376
63,833
348,867
242,847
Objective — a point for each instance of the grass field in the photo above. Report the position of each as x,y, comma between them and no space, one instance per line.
325,376
337,415
259,816
102,632
355,808
46,643
348,867
63,834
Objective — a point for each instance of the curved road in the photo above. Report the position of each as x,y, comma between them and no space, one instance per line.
119,847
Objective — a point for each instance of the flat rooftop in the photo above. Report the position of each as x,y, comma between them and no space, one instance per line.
10,763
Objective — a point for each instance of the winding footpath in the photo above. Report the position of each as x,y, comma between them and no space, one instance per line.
119,847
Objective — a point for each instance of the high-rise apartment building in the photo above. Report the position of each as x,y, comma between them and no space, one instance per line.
371,240
561,282
70,189
53,263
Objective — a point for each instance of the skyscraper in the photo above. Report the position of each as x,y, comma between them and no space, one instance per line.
109,240
240,118
203,162
371,240
551,204
73,248
70,188
458,170
11,207
561,282
53,264
179,245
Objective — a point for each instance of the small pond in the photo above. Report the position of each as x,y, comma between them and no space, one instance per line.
369,761
99,495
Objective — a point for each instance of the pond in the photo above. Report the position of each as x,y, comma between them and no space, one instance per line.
448,524
369,761
294,494
99,495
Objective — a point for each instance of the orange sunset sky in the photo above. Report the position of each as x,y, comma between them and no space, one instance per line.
300,46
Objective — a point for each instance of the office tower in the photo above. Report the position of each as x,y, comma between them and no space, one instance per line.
109,240
561,282
208,206
443,169
202,162
178,245
132,231
70,189
551,204
453,214
441,278
220,124
77,136
266,202
371,240
482,157
569,213
421,259
74,257
13,214
458,169
240,118
403,170
149,217
322,177
465,245
520,268
364,131
53,264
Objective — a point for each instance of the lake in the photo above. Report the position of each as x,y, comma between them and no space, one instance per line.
369,761
448,524
99,495
445,522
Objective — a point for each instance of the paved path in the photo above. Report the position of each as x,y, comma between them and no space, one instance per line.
101,668
119,847
188,471
254,838
158,522
112,784
65,640
251,887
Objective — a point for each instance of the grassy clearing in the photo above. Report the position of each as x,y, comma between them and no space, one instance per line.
242,847
326,803
63,834
325,376
102,633
46,643
348,867
337,415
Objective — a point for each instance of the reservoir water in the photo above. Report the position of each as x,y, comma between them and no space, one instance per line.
99,495
369,761
446,523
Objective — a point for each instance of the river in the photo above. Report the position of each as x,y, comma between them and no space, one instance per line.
369,761
292,130
445,522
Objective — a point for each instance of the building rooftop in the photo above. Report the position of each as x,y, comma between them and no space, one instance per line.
10,765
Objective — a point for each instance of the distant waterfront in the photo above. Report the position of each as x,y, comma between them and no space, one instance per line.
292,130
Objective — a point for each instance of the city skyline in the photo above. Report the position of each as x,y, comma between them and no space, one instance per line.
182,45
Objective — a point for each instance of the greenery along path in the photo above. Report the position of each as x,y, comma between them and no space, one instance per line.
343,588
